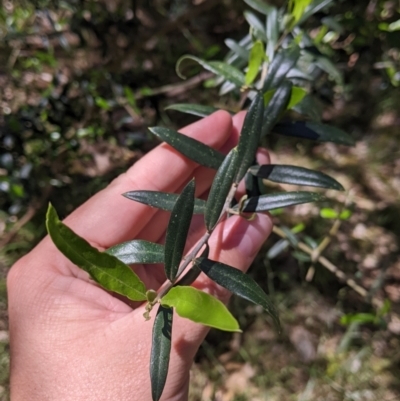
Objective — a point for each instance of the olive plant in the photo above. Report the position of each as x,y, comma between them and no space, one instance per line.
268,65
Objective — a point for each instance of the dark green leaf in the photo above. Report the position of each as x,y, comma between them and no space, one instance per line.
193,109
280,66
200,307
239,283
308,106
260,6
264,203
315,131
256,58
220,188
162,200
160,351
295,175
250,135
276,107
138,251
220,68
105,269
178,229
191,148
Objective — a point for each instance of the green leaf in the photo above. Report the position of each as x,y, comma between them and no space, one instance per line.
297,8
264,203
276,107
200,307
260,6
178,230
239,283
105,269
250,135
194,109
162,200
220,68
296,97
160,351
313,8
257,56
313,130
138,251
295,175
277,248
220,188
328,213
191,148
283,62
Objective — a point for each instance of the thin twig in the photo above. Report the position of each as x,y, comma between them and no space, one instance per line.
377,303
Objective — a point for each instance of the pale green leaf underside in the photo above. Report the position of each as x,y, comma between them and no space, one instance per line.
295,175
105,269
200,307
264,203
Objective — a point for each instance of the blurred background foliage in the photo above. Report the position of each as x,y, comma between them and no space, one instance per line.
81,80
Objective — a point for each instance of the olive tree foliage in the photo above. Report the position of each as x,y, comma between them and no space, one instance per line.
274,67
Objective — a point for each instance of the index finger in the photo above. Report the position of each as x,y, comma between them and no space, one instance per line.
108,218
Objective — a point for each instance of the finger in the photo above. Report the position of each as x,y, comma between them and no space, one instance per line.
108,218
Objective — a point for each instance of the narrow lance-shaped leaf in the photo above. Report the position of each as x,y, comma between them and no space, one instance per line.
200,307
295,175
239,50
257,57
191,148
138,251
313,8
257,27
105,269
221,185
238,283
313,130
250,135
260,6
193,109
276,106
272,31
162,200
178,229
220,68
264,203
160,351
280,66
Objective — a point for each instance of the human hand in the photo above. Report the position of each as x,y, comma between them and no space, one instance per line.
70,339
